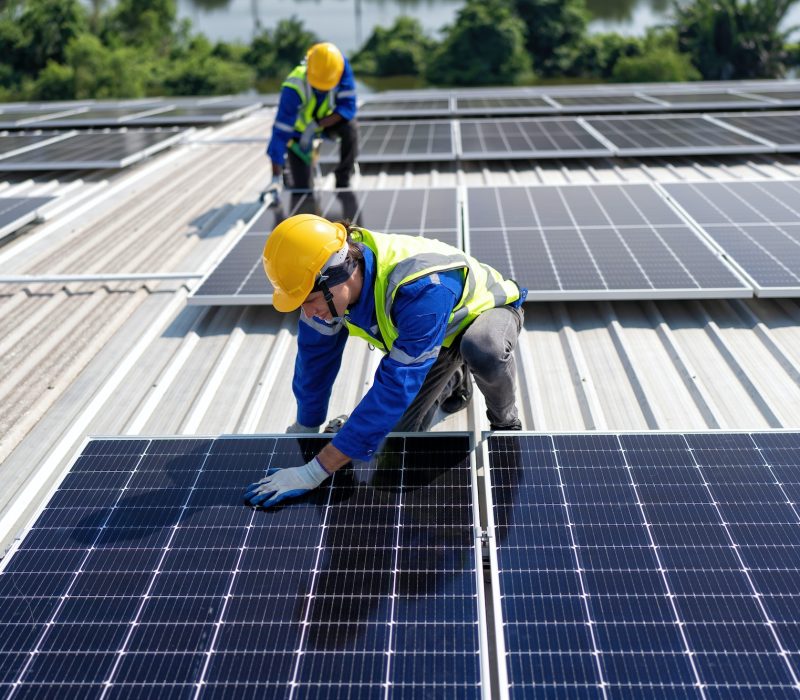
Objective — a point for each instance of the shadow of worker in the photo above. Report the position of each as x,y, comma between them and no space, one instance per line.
398,552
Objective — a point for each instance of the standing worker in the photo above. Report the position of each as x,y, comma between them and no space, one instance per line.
437,314
318,98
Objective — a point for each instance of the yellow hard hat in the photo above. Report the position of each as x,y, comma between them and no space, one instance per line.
324,65
295,253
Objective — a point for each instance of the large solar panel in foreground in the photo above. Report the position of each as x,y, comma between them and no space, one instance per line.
145,576
673,135
594,242
396,141
648,565
757,224
239,277
92,150
527,138
15,212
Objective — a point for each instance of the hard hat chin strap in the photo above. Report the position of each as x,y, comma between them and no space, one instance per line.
323,287
334,275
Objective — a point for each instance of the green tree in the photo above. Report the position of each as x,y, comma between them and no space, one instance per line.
402,49
273,53
659,65
197,71
734,39
485,46
145,24
555,32
599,53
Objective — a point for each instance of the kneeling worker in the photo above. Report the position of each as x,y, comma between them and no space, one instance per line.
318,98
437,313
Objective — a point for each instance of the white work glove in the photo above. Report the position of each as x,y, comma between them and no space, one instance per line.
307,139
272,194
280,484
297,427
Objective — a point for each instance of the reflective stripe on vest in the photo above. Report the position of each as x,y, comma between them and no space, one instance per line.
403,259
296,80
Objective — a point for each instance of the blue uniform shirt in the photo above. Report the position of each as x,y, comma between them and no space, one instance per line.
289,106
421,311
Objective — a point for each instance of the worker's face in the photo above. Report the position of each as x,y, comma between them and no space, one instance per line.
316,306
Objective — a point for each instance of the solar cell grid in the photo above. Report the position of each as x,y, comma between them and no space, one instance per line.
170,587
393,141
91,150
672,135
403,108
594,241
651,565
781,128
757,224
239,277
700,98
527,138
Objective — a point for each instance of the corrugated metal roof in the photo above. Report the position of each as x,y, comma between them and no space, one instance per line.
132,358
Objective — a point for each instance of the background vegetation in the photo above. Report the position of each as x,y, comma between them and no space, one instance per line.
57,49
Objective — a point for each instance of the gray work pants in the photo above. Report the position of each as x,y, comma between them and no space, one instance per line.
486,347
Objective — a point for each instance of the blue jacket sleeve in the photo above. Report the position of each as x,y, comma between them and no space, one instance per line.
421,311
319,356
283,128
346,94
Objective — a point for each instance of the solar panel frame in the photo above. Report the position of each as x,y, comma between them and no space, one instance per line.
178,115
380,142
535,133
14,144
738,240
770,446
16,212
240,264
672,252
602,102
385,108
513,103
705,99
45,156
99,117
24,119
172,680
627,136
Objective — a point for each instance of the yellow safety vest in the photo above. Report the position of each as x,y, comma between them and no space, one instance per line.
403,259
296,80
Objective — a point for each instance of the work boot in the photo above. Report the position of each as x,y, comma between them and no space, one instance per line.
515,424
461,394
335,424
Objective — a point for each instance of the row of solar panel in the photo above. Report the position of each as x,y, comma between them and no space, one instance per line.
646,565
521,101
571,137
73,150
570,242
155,112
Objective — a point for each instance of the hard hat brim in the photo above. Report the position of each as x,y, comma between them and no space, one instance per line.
284,302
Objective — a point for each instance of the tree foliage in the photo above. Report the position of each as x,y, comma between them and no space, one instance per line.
485,46
734,39
401,49
659,65
555,31
273,53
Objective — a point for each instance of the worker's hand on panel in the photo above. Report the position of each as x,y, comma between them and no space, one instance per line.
272,194
307,139
280,484
297,427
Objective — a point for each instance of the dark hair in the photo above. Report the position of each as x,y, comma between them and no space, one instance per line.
355,252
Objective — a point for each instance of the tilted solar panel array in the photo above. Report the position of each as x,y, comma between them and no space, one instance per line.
396,141
757,224
239,277
145,576
647,565
594,242
15,212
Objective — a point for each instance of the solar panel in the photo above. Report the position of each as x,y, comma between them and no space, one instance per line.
700,99
15,212
605,102
649,565
428,107
92,150
16,142
145,575
594,242
239,277
757,224
395,141
499,104
527,138
780,128
24,118
99,117
785,96
672,135
200,114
